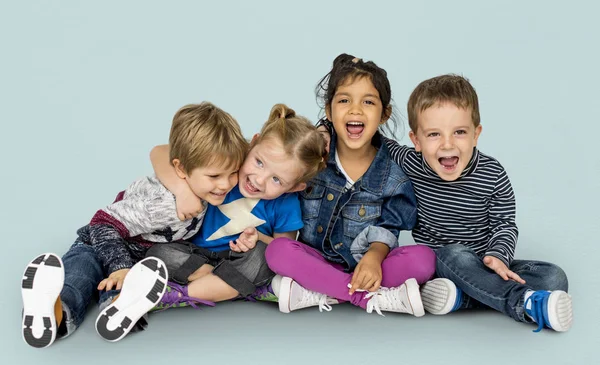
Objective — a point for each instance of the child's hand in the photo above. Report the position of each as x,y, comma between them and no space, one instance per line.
500,268
246,241
116,279
367,275
188,204
326,136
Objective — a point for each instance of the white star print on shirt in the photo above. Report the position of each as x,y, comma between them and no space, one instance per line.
240,214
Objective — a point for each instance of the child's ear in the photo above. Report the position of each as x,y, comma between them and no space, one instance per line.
477,133
415,141
179,170
254,138
297,187
387,113
328,112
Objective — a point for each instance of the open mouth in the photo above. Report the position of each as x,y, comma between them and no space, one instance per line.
250,187
218,195
448,163
355,129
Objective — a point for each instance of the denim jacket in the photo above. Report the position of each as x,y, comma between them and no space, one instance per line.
380,204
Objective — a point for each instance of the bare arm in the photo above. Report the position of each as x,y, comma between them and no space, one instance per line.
188,204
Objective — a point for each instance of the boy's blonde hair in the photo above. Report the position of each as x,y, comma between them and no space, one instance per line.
300,139
203,135
449,88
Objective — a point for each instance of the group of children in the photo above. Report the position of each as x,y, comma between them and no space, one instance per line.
306,216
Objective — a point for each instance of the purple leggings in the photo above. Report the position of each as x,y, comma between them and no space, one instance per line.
310,269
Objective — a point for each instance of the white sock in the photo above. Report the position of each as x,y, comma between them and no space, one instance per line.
275,284
527,305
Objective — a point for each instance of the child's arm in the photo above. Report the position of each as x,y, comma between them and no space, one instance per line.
188,204
503,227
146,207
398,212
367,274
251,235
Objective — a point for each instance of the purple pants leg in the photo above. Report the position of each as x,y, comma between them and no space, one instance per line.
307,266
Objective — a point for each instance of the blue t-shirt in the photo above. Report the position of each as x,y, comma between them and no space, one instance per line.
225,222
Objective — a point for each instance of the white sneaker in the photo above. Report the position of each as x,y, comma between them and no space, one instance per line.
402,299
440,296
293,296
552,309
41,285
142,290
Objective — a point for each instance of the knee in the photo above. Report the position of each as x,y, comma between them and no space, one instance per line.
457,254
555,278
423,261
278,250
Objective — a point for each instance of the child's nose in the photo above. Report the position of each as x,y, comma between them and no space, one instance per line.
355,108
260,179
448,142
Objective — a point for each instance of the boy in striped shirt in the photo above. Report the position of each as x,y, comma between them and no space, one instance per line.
466,213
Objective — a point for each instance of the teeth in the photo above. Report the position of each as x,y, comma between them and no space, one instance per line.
355,123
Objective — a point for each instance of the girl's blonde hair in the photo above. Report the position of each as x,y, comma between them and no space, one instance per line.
300,139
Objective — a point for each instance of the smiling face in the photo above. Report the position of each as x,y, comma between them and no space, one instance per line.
356,112
446,137
268,171
210,183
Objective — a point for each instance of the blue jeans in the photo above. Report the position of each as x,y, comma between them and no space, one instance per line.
83,273
482,287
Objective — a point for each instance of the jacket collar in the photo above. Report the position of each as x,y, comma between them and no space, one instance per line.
377,174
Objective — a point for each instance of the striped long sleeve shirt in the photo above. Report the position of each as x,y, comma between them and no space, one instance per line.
476,210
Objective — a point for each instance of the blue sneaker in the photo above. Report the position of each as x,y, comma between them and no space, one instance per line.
551,309
441,296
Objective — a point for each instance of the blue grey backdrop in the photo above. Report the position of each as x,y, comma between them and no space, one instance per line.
87,88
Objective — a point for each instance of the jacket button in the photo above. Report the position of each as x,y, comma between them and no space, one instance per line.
362,211
330,197
339,245
319,229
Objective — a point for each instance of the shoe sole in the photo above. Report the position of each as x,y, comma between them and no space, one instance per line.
142,290
41,285
439,296
560,311
414,297
285,290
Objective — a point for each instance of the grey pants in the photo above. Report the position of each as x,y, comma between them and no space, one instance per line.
243,271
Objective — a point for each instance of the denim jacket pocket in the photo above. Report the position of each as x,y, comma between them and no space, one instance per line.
311,199
359,216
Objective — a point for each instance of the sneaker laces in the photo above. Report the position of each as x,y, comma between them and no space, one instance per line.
386,298
539,301
310,297
179,294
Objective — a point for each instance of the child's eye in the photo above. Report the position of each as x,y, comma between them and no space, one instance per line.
461,131
341,101
259,163
433,134
370,102
276,180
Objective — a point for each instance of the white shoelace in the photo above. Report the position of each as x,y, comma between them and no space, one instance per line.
311,297
386,298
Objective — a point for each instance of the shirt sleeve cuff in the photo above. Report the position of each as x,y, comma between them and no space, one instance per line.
377,234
